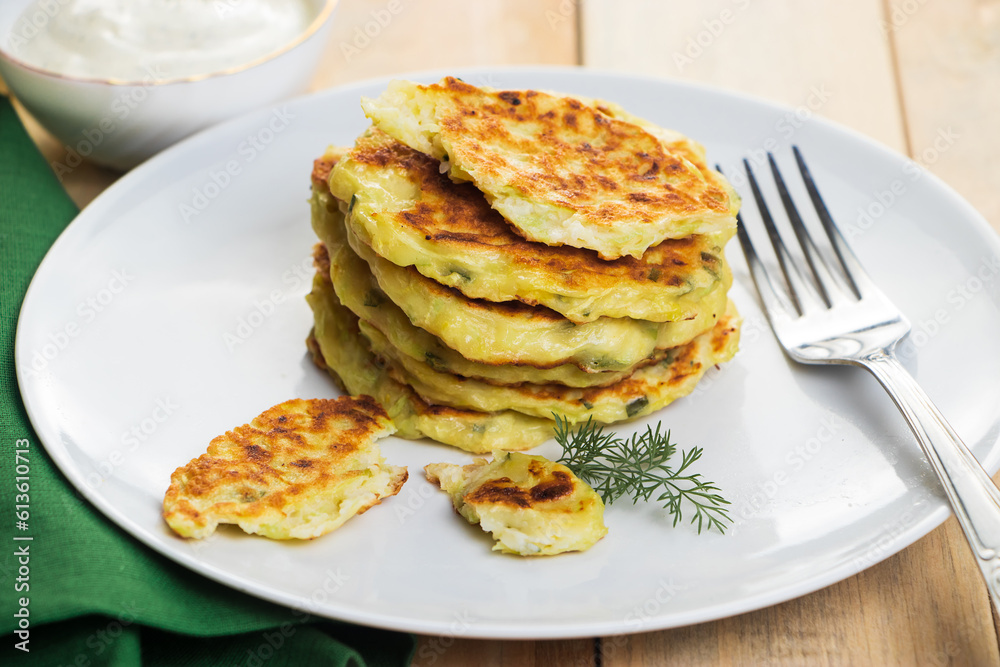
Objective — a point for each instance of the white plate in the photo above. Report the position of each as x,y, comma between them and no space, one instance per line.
171,310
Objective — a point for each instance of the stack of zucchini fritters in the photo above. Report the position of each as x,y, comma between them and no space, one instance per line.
490,259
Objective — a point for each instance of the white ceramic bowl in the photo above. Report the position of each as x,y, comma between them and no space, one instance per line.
121,124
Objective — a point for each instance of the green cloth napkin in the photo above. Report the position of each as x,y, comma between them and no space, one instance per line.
94,595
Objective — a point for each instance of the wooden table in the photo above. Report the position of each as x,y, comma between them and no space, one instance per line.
904,72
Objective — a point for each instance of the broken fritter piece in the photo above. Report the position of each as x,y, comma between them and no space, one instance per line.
532,506
298,470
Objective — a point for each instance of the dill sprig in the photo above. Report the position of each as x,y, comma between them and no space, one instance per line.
639,467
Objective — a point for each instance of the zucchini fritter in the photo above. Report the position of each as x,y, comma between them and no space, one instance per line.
298,470
560,170
532,506
413,215
647,390
509,332
339,348
359,292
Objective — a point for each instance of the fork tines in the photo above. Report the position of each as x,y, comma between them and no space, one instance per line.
821,282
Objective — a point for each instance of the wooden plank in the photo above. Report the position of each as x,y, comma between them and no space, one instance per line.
900,612
446,33
948,56
782,50
948,61
454,652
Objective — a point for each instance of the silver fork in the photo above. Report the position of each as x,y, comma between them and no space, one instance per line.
824,314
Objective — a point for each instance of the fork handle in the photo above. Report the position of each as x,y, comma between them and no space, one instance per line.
973,495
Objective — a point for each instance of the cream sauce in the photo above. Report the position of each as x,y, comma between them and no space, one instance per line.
155,40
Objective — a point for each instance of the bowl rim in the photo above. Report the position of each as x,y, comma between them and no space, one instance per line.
321,18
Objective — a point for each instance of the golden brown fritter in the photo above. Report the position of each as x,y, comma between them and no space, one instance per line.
508,333
559,169
411,214
648,389
339,348
531,506
298,470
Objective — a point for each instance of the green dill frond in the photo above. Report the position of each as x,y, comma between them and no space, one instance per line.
640,467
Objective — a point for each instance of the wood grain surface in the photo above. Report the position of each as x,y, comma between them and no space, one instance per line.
921,76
